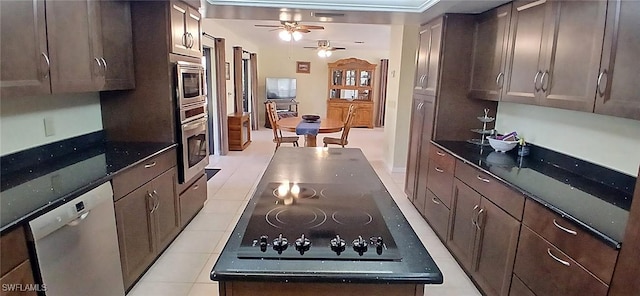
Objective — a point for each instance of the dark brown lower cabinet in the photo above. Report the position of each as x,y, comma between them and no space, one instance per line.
146,221
546,270
483,238
422,118
15,266
192,200
518,288
437,215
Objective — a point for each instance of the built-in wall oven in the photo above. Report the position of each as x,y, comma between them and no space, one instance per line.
192,129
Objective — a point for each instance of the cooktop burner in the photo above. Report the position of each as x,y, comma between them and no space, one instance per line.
317,221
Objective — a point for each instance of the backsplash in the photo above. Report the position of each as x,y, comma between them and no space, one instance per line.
22,119
608,141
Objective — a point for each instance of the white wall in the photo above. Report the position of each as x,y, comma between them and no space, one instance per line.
402,61
312,88
22,119
213,27
608,141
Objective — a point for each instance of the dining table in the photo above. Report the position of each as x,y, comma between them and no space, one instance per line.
327,125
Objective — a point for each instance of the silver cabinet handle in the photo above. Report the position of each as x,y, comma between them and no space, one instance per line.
473,216
435,201
184,39
600,90
99,64
46,59
500,80
193,40
440,153
567,230
535,81
104,63
565,263
483,179
196,187
420,106
150,165
439,170
155,197
545,74
478,219
153,207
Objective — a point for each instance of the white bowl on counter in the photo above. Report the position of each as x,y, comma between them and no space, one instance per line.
502,146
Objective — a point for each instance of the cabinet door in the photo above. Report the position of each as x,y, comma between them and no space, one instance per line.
135,226
363,116
425,141
618,87
117,41
73,34
334,112
523,55
422,59
22,276
25,59
166,218
489,53
415,139
179,36
194,32
433,63
573,38
496,249
465,206
192,200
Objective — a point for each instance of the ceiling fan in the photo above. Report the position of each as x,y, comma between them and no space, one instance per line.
325,49
291,29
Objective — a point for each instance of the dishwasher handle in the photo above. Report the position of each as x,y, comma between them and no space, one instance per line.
77,221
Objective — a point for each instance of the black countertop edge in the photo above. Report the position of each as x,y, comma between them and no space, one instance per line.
118,157
598,234
335,278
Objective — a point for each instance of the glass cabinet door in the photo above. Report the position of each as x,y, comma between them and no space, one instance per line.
336,77
350,77
365,78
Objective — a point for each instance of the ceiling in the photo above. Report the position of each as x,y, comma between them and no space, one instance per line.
345,21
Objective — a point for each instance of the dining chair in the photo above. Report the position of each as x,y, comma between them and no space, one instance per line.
277,133
345,130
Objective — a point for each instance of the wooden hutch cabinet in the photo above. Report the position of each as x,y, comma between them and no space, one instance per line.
351,81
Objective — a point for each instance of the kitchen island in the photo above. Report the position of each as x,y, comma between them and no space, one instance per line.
322,223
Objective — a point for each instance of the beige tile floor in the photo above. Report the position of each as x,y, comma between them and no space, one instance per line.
183,269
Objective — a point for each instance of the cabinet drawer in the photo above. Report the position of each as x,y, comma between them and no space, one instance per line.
192,200
587,250
13,249
440,176
22,276
518,288
437,214
142,173
507,199
546,275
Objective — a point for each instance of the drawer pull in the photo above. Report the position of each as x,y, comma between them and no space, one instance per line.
483,179
567,230
435,201
565,263
196,187
439,170
473,216
148,166
440,153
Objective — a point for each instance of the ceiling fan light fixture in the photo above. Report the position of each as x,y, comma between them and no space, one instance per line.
327,53
284,35
296,35
323,53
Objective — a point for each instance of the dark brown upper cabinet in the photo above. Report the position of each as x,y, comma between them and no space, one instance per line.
491,33
554,53
428,63
186,34
618,91
65,48
25,59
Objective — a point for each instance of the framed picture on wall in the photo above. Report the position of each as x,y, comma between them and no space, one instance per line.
303,67
227,71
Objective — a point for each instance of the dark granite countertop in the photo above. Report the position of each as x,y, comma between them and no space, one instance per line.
593,197
347,168
32,184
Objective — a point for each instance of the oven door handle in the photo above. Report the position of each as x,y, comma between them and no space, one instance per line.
194,124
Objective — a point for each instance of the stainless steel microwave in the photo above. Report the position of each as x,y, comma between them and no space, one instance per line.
190,86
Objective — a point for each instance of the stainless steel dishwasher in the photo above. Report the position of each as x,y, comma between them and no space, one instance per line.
77,246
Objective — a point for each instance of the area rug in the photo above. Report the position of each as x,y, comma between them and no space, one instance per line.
211,172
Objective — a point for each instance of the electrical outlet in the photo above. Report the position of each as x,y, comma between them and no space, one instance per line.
49,129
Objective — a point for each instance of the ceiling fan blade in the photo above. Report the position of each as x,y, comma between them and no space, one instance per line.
310,27
269,26
312,47
303,30
338,48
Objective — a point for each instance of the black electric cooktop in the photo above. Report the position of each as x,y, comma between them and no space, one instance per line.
317,221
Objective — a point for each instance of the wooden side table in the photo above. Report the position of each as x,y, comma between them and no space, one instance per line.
239,131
